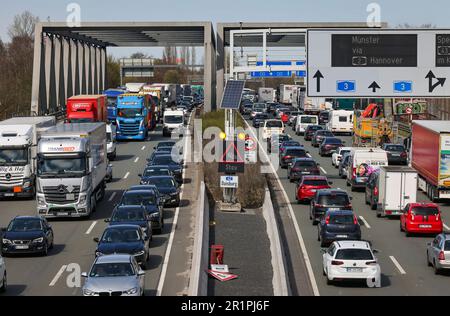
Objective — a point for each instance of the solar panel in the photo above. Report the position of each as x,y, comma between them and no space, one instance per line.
232,95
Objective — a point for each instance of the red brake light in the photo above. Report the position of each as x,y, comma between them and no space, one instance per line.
287,157
337,263
403,155
441,256
295,169
355,220
375,191
354,172
327,220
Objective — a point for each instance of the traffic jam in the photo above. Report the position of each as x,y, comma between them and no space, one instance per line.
327,160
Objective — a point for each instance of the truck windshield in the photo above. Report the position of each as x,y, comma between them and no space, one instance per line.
130,113
112,102
13,157
308,119
173,119
57,166
81,120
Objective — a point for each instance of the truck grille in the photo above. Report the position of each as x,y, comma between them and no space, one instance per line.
129,129
11,180
59,194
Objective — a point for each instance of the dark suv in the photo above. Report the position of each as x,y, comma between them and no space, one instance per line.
324,117
310,130
329,144
289,153
319,136
328,200
338,225
396,154
301,167
372,187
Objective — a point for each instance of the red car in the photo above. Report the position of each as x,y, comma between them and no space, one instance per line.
285,117
421,218
308,185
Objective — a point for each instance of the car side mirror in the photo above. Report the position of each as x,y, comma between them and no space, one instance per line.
107,220
96,239
141,273
330,182
317,163
375,251
3,229
350,198
84,274
428,243
323,250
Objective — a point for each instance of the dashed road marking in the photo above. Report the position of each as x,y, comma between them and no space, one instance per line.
58,275
113,195
143,148
126,175
446,227
399,267
136,160
365,222
323,170
91,227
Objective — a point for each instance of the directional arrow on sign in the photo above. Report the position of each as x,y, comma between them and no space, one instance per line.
318,75
374,86
430,76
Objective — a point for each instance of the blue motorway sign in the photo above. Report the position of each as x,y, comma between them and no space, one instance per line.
280,63
402,86
261,74
345,86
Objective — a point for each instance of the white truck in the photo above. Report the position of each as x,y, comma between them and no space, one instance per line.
18,141
265,95
111,141
314,105
288,93
173,121
397,186
134,87
71,170
340,121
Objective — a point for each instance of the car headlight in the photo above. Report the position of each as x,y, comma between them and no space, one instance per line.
6,241
83,199
88,292
140,253
38,240
132,291
98,254
40,200
173,194
154,215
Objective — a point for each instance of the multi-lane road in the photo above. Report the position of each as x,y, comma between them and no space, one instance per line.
74,245
402,259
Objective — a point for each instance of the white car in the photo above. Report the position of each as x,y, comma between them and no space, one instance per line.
3,283
352,259
337,156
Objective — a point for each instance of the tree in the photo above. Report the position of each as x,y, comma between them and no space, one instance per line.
172,76
139,55
112,72
23,25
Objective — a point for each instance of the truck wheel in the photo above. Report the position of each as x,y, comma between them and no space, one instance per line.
5,284
373,206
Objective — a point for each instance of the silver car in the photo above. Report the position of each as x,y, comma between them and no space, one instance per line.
438,253
3,282
114,275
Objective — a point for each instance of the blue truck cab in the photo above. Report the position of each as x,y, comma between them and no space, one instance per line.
133,116
111,103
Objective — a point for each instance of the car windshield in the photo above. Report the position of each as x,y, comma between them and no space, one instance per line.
260,116
395,148
108,137
325,133
324,114
162,182
308,119
124,215
165,144
274,124
108,270
130,113
334,199
332,141
138,199
156,172
305,164
295,152
343,152
315,182
13,157
163,160
173,119
354,254
259,106
116,235
313,128
25,225
341,219
424,211
62,166
290,143
447,245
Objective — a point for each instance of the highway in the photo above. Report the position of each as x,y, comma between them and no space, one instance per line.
48,276
402,259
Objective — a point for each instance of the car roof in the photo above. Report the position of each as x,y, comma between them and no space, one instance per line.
114,258
160,177
340,212
309,177
423,204
332,192
124,226
353,244
131,207
303,159
28,217
295,147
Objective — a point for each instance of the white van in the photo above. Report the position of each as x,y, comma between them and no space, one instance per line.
340,121
272,127
111,141
303,121
363,161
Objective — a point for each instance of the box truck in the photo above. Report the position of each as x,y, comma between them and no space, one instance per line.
18,141
265,94
86,109
71,169
397,186
288,93
430,156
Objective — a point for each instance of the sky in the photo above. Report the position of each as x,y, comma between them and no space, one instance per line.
394,12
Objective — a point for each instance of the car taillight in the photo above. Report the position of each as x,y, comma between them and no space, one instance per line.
371,263
349,206
337,263
437,217
355,220
287,157
295,169
388,212
354,172
327,220
403,155
441,256
375,191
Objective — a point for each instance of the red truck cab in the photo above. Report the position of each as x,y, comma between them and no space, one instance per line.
86,109
421,218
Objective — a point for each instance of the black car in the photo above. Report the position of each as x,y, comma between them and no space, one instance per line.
27,235
168,187
396,154
247,108
330,144
259,118
165,144
271,107
149,199
310,130
372,187
324,117
151,171
289,143
130,212
328,200
338,225
280,138
167,160
290,153
301,167
319,136
126,239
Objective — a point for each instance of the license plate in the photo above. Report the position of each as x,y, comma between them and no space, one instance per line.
424,226
9,194
70,196
341,236
396,155
22,247
354,269
63,213
333,209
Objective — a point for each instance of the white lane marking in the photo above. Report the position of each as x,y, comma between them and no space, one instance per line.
323,170
58,275
143,148
136,160
126,175
165,264
365,222
91,227
312,278
446,227
113,195
309,155
399,267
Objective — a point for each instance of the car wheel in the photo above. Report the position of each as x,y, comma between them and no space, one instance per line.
51,245
158,231
428,260
365,199
437,271
401,228
373,206
45,251
329,282
4,283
